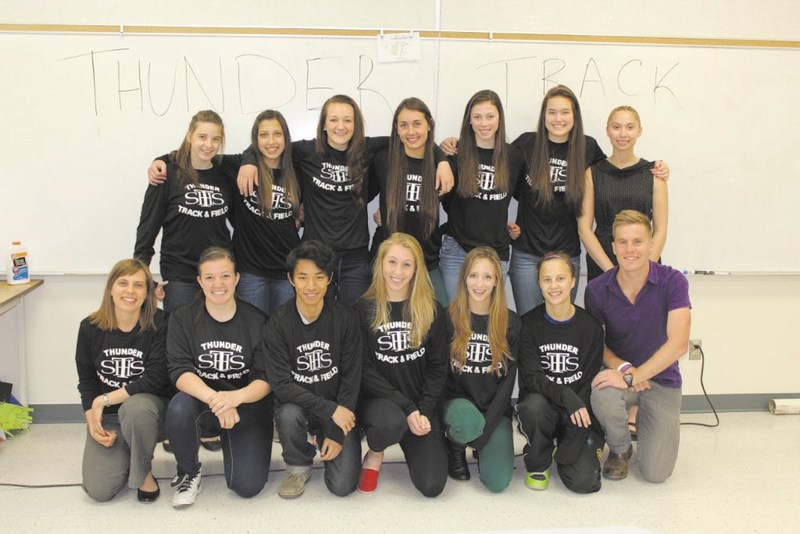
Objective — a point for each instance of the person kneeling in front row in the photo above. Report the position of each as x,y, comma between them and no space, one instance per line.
645,309
314,346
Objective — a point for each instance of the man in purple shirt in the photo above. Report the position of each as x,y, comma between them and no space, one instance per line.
645,309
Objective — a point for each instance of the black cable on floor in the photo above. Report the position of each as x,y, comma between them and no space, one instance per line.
705,394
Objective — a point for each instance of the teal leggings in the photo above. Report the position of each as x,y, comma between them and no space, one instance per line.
465,424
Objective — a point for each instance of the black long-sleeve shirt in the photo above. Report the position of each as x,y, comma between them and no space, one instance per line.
193,218
560,359
316,366
412,377
226,355
111,359
490,393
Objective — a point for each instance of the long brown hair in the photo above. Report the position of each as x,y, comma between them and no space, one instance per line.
420,308
183,156
498,315
105,318
266,177
356,150
576,154
468,159
397,180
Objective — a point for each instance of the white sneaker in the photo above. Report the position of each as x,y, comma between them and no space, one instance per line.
188,488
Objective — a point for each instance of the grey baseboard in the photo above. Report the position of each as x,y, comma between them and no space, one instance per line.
750,402
58,413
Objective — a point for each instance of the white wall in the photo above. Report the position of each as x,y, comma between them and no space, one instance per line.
748,324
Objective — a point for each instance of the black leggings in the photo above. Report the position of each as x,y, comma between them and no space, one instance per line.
426,456
246,448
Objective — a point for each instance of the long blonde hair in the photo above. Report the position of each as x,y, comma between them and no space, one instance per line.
498,315
420,308
105,318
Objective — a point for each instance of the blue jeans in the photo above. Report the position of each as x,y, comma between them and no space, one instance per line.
351,277
451,257
438,287
178,293
266,294
524,273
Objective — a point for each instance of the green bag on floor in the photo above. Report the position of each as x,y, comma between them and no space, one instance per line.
14,417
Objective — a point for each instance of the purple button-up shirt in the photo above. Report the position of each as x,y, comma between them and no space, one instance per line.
634,332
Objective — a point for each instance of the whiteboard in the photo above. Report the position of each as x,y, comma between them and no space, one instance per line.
85,114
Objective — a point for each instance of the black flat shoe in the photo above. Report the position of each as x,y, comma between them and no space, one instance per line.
148,497
457,466
214,445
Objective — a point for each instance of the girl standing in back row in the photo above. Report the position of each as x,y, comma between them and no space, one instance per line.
405,174
487,172
622,181
192,207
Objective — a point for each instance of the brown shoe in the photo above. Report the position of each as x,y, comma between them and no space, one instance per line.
616,467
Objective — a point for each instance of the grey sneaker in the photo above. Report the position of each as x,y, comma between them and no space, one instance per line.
293,485
188,488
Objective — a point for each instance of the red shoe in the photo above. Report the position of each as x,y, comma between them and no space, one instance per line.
368,480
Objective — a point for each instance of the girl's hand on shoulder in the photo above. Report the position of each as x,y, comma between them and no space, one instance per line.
449,146
247,179
157,173
660,170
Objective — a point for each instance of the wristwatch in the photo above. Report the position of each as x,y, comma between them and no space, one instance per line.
106,402
628,377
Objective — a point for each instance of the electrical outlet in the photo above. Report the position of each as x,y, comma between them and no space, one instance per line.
695,349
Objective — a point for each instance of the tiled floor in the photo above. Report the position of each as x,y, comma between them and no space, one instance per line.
741,477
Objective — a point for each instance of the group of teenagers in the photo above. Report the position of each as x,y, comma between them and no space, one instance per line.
408,341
